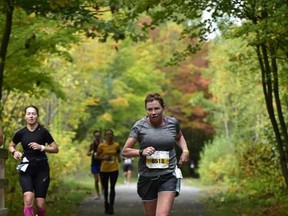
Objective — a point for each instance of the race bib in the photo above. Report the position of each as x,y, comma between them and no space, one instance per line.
158,160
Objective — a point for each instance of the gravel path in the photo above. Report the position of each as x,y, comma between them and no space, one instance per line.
127,203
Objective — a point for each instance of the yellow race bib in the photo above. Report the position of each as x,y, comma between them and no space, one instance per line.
158,160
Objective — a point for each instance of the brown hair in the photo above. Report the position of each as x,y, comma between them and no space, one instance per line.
109,130
154,96
32,106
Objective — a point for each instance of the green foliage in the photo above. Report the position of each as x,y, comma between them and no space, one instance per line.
260,170
32,40
68,158
243,154
218,162
236,90
258,187
118,85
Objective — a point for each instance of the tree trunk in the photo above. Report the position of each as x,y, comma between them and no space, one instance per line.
4,44
270,85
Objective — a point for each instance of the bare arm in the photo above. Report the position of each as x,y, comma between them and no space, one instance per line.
181,142
50,148
90,150
128,149
130,152
16,154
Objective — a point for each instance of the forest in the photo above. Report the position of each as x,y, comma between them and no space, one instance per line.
221,67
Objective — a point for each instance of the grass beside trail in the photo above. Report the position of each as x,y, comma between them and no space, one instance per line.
68,196
221,205
221,201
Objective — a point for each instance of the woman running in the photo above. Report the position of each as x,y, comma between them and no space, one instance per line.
33,170
159,177
109,153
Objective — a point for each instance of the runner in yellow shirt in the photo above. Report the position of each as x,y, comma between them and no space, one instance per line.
109,153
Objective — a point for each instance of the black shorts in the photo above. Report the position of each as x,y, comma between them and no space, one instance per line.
149,187
127,167
36,179
95,169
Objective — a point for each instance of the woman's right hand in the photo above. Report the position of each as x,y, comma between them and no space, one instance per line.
95,155
107,157
148,151
17,155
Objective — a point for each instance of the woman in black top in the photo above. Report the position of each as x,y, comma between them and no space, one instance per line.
95,163
34,168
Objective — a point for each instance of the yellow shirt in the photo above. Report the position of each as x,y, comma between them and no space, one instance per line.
110,154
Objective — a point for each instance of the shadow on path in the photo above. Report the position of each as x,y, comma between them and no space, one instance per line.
127,203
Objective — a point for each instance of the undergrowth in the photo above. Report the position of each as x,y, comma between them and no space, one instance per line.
221,200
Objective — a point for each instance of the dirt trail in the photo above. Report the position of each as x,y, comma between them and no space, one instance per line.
127,203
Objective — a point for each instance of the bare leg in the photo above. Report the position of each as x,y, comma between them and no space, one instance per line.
150,208
28,204
125,177
129,174
96,182
165,203
41,206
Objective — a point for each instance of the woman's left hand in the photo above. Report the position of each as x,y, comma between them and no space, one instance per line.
34,146
184,158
